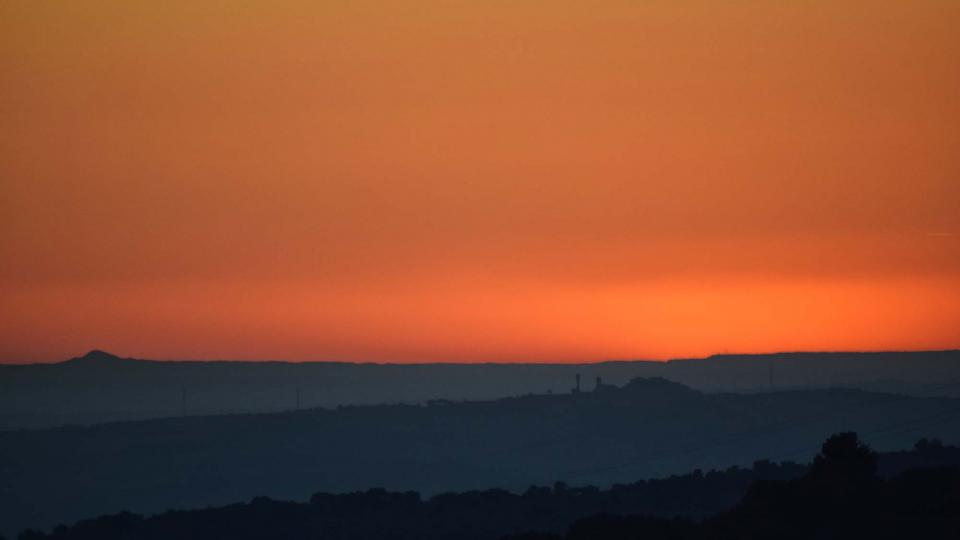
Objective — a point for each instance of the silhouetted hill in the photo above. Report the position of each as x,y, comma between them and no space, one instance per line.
838,497
377,514
100,387
97,358
649,428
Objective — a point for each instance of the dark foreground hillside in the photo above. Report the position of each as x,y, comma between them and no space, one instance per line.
840,497
649,428
784,499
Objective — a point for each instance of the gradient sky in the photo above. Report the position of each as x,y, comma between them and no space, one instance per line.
466,180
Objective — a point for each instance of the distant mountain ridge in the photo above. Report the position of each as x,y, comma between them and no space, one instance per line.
102,387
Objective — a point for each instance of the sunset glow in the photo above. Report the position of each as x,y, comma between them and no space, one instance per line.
477,181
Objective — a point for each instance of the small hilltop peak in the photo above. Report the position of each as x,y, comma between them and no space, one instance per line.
658,386
97,356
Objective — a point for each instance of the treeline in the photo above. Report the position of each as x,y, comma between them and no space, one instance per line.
841,496
675,507
379,514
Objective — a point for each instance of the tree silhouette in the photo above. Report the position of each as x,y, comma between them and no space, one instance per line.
844,456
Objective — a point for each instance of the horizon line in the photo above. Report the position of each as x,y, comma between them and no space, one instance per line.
475,362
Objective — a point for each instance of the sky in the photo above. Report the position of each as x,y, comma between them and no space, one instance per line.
477,181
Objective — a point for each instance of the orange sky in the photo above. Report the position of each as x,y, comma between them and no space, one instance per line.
465,180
